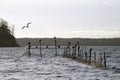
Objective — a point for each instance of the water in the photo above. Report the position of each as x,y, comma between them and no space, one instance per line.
15,66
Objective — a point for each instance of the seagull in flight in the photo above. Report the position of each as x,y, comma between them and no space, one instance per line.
27,25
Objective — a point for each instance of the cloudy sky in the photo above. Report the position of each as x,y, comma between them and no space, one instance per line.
63,18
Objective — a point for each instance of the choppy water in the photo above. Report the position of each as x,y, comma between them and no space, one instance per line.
15,66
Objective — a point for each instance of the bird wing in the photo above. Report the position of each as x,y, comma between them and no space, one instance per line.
28,23
23,27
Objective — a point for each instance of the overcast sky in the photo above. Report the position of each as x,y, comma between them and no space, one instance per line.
63,18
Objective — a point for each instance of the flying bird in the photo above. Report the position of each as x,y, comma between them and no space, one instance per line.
27,25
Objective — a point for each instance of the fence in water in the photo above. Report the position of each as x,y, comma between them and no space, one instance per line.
80,53
76,52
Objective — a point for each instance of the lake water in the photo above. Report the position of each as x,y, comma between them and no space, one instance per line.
15,66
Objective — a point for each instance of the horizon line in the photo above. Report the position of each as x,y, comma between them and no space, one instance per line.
68,37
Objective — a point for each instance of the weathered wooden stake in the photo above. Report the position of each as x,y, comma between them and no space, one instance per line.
40,48
72,51
75,51
29,46
85,48
90,55
46,46
101,57
82,52
105,59
78,48
55,46
64,52
95,58
86,56
69,48
78,51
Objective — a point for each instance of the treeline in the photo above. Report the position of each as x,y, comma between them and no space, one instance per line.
64,41
6,39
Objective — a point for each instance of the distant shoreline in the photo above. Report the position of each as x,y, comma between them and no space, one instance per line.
64,41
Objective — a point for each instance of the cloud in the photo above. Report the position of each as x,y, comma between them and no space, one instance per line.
61,2
63,17
93,34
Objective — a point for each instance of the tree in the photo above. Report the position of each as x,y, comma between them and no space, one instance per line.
4,26
6,39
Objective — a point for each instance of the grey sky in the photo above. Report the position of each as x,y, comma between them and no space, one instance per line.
63,18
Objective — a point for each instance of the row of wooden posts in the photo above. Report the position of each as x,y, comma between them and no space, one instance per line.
76,52
29,47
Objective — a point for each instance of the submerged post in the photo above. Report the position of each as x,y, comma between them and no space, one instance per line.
105,59
78,48
95,58
69,47
55,46
40,48
64,52
29,46
101,57
82,52
86,56
90,55
75,51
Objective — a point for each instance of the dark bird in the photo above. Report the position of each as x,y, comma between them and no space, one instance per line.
27,25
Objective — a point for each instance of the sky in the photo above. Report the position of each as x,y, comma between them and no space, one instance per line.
63,18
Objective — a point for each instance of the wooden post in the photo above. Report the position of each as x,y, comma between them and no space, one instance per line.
85,48
69,48
90,55
59,46
86,56
101,57
64,52
78,51
55,46
75,51
95,58
47,46
78,48
72,51
29,46
82,52
40,48
105,59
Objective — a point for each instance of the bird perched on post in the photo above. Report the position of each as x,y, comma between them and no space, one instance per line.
27,25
